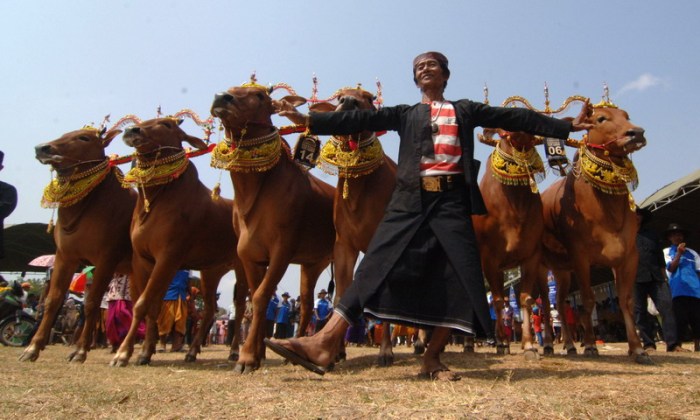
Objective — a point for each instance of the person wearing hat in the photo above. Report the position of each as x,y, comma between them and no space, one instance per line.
652,283
683,264
323,308
284,309
422,267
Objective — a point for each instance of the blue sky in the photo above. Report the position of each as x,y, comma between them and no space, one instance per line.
66,64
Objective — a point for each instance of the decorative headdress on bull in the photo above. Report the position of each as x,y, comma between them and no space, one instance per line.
77,171
238,152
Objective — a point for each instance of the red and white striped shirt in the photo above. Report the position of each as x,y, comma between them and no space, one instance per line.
448,151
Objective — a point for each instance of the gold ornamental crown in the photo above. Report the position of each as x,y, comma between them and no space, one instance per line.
253,83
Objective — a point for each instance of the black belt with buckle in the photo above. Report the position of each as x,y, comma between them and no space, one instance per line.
439,183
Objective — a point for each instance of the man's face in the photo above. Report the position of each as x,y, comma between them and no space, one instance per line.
429,74
676,237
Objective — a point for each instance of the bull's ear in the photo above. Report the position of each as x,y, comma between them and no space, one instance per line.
490,132
322,107
195,142
109,136
179,121
295,100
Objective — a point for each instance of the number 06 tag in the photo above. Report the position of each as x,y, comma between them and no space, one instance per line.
555,150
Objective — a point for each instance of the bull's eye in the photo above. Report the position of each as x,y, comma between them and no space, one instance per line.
166,124
260,96
601,119
84,138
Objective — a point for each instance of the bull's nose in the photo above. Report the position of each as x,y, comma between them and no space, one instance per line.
223,97
42,148
132,131
636,131
348,101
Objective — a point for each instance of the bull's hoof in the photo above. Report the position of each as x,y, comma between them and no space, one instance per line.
243,369
341,357
548,350
233,357
385,361
468,349
117,362
502,349
643,359
571,351
591,352
143,361
330,367
531,355
189,358
77,357
238,368
418,347
29,355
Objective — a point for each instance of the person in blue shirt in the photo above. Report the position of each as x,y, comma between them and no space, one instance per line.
271,315
173,312
683,264
323,308
284,310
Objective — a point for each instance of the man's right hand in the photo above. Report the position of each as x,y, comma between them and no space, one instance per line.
286,109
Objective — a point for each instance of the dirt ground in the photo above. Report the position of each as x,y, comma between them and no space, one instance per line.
504,387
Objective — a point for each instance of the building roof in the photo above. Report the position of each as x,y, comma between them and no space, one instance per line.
677,202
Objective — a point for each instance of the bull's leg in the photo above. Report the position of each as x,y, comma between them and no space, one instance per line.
60,280
253,350
306,295
421,342
495,278
210,282
386,351
239,295
254,274
583,275
527,285
100,281
625,275
563,279
141,283
547,330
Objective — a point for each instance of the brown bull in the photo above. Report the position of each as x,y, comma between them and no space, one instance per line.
282,214
94,213
366,180
510,234
589,221
176,225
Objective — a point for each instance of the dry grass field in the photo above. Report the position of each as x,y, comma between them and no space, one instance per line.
492,386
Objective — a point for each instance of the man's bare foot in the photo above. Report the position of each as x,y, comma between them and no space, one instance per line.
313,350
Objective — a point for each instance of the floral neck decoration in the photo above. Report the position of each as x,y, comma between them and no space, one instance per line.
608,177
363,160
258,154
518,168
160,171
64,191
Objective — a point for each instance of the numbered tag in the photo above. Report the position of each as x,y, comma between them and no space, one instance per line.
555,151
306,150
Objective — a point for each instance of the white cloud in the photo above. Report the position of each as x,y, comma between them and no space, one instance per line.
643,82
